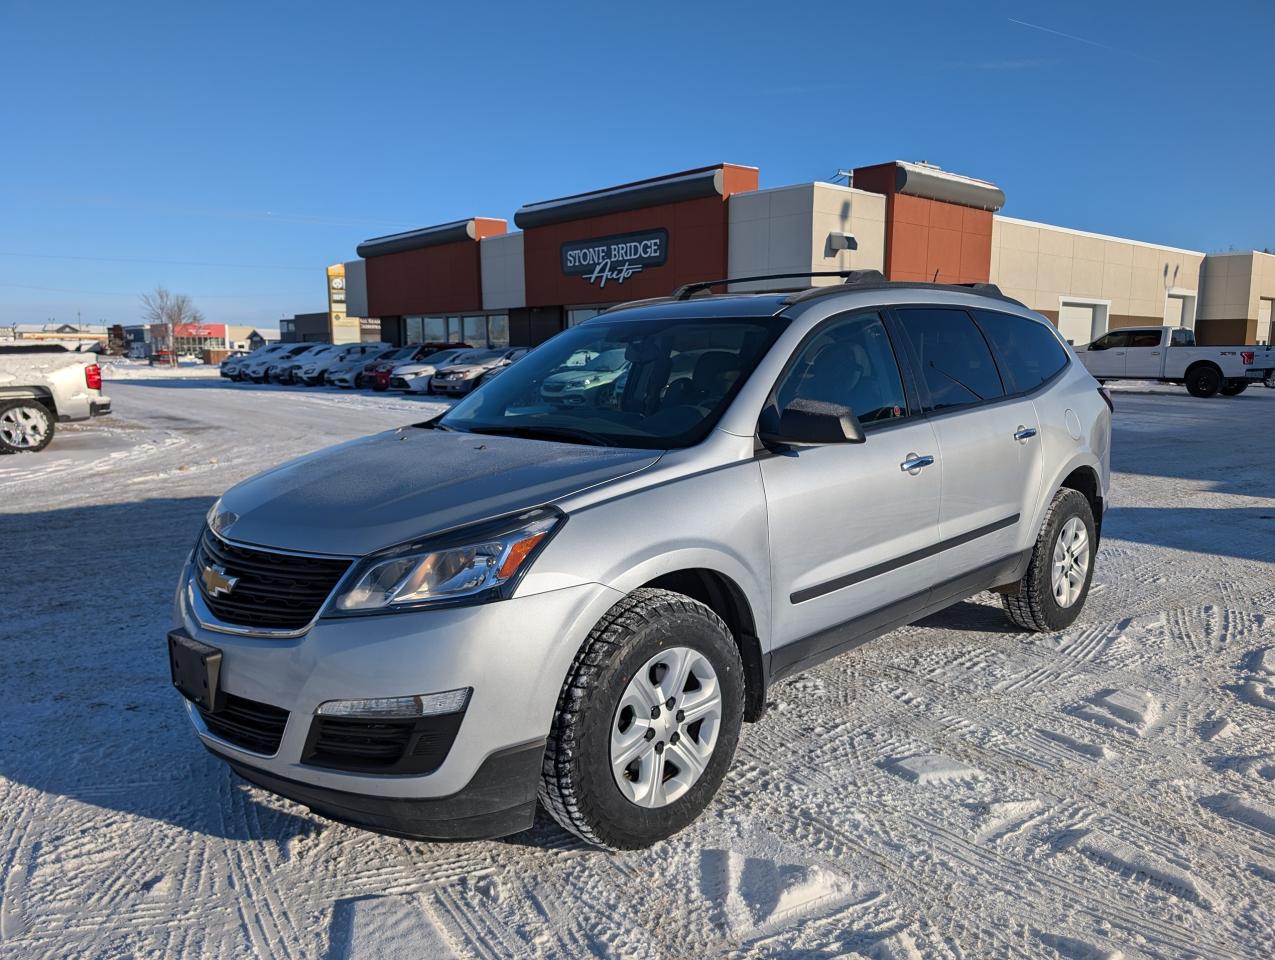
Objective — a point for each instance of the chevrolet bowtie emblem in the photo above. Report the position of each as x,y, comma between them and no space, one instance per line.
217,583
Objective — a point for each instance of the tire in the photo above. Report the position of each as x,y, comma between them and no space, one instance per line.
1204,381
577,785
1233,389
1037,605
26,426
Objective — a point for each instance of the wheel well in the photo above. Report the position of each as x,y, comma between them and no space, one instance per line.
1085,480
722,595
1202,363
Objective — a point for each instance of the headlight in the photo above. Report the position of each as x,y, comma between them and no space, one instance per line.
470,374
476,564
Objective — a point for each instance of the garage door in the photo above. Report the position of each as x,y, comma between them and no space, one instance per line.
1076,322
1264,321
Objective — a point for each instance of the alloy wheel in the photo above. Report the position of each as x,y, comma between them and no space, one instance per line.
665,727
23,428
1071,562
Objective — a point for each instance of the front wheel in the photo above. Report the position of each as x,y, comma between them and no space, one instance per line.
1233,388
646,723
26,426
1052,592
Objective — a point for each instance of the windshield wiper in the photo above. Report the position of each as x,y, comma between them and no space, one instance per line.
564,434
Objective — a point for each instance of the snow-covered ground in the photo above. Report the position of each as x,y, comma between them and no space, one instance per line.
955,789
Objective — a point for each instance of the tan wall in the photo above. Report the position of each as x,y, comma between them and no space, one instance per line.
503,275
785,230
1040,264
1233,286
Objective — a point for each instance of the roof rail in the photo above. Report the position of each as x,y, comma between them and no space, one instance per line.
688,290
985,289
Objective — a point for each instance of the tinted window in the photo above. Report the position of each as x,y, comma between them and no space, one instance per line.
1144,339
1183,338
1109,341
1029,352
955,360
850,362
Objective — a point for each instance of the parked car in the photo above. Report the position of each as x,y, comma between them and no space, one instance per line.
464,372
415,377
584,603
353,373
283,369
346,365
1170,355
589,383
42,384
312,372
378,374
494,372
236,367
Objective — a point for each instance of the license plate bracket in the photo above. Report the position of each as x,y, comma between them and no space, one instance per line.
196,669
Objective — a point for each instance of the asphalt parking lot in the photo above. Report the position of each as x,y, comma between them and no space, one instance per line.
955,789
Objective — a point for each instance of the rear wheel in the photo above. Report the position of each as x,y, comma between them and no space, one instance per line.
1204,381
646,723
1233,388
1052,592
26,426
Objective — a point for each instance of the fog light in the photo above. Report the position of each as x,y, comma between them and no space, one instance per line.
398,708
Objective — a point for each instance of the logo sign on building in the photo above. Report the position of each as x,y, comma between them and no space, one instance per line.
604,260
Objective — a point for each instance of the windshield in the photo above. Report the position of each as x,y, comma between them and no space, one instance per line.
441,357
476,356
652,383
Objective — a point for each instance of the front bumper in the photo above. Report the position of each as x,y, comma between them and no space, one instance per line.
454,386
499,799
513,653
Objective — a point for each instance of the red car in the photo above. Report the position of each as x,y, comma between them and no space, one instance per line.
377,373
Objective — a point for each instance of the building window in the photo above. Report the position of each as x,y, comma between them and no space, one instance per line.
581,315
498,330
412,329
435,330
475,331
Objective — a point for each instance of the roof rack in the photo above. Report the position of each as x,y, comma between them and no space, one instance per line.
688,290
985,289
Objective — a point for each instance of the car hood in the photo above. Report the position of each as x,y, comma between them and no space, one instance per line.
403,368
576,377
464,367
362,496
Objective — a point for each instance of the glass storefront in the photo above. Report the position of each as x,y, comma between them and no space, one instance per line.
478,330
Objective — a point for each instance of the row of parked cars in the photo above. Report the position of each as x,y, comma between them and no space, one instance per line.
446,368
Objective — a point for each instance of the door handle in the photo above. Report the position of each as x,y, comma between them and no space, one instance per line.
1024,433
1155,353
914,463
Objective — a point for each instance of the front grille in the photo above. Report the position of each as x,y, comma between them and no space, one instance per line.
381,746
553,388
246,723
397,382
277,591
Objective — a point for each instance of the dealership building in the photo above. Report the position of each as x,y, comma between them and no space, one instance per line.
567,259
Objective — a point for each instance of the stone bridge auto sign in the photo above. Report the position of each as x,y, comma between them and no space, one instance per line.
614,259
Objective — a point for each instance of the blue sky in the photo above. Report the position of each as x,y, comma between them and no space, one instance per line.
232,151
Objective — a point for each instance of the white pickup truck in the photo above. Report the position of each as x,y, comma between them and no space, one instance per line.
1169,354
42,384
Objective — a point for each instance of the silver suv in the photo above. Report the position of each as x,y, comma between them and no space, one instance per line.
422,631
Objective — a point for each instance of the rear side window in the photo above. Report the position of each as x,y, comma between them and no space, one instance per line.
955,360
1029,352
1144,339
1183,337
850,362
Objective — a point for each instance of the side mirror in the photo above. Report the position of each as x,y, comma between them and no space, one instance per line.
809,423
